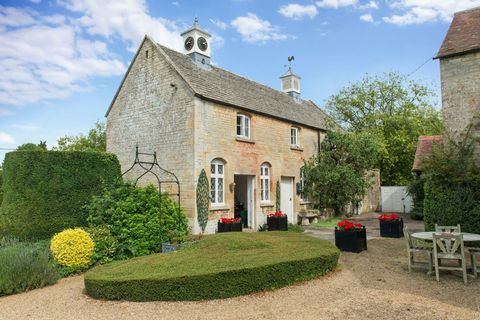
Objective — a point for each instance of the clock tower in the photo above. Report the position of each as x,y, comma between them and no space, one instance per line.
196,44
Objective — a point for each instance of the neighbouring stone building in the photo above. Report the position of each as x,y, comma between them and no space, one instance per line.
459,58
196,116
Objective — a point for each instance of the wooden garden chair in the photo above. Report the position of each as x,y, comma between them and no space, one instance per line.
412,248
448,229
449,246
474,254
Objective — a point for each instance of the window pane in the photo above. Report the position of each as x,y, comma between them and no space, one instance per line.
262,181
247,127
212,190
220,190
212,168
267,189
220,169
266,171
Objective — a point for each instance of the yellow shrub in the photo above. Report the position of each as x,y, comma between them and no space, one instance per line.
72,248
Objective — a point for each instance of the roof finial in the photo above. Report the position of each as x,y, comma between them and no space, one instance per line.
195,22
290,59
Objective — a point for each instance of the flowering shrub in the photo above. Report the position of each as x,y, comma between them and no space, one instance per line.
347,225
230,220
388,217
72,248
277,214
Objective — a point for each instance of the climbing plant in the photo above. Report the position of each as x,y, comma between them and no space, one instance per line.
203,200
277,196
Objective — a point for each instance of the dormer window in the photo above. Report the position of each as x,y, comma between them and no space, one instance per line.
294,137
243,126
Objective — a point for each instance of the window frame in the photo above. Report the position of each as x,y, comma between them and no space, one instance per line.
214,182
296,135
244,126
265,170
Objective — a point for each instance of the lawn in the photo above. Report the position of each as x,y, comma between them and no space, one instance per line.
218,266
328,223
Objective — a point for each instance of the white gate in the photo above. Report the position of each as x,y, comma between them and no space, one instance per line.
396,199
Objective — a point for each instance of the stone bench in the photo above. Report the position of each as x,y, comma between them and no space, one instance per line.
309,216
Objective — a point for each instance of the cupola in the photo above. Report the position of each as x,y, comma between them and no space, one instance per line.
196,44
290,82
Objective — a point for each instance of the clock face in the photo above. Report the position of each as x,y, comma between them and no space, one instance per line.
202,43
189,42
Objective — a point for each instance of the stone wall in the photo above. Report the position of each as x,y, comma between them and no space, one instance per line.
215,137
460,77
148,111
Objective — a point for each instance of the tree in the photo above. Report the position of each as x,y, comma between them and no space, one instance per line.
203,200
395,111
94,141
42,146
338,175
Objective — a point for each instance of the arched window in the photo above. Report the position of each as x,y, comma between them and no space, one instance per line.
217,178
265,182
243,126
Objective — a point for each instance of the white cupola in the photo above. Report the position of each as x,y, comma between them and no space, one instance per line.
196,44
290,82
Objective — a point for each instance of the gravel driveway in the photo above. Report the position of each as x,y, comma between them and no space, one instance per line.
369,285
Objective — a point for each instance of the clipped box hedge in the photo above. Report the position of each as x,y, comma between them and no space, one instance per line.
218,266
44,191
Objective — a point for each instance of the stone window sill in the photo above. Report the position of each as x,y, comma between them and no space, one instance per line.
266,204
296,148
240,139
219,208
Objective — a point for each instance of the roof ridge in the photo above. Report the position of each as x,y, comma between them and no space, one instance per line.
466,10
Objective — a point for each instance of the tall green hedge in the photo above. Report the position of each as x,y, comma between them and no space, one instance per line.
44,191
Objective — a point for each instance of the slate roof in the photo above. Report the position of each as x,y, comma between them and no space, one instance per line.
463,36
227,88
424,150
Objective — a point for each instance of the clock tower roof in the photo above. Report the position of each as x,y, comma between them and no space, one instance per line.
196,27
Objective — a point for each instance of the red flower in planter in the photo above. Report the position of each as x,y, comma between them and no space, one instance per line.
388,217
230,220
277,214
347,225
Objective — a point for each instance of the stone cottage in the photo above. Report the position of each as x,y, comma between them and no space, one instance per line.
459,58
196,116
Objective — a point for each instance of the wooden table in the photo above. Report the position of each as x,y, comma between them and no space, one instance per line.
428,235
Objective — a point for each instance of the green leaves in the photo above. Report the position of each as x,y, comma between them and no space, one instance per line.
94,141
203,200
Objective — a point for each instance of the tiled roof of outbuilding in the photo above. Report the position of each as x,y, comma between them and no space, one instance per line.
463,35
225,87
424,150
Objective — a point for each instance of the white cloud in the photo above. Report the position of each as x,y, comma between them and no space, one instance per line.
254,29
336,3
128,20
367,18
46,58
219,23
297,11
421,11
176,3
369,5
6,138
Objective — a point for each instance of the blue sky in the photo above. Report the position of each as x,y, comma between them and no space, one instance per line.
61,61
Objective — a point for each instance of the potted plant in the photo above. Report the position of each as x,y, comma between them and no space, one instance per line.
230,225
351,237
277,221
391,225
175,238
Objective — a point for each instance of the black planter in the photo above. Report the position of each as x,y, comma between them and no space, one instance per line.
352,240
391,228
229,227
168,247
277,223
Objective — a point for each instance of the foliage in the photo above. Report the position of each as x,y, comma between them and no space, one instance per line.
277,196
106,245
25,266
395,110
452,185
1,186
133,216
416,190
94,141
72,248
203,200
338,175
44,191
42,146
218,266
327,223
295,228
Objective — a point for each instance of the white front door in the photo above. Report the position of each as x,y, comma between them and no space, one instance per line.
250,204
286,198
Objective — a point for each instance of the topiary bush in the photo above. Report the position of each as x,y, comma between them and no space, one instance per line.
73,249
133,216
44,191
217,266
203,200
25,266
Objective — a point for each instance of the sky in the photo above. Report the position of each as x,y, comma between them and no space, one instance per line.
61,61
